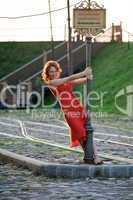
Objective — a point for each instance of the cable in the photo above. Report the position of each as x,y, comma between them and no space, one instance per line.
39,14
30,28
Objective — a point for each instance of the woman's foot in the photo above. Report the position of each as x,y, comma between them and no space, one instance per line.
95,161
98,161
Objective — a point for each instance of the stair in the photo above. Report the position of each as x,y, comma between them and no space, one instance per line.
28,73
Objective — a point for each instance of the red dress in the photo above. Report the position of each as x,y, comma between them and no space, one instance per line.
74,112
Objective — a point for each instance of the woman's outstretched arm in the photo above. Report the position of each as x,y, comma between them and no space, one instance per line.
60,81
82,80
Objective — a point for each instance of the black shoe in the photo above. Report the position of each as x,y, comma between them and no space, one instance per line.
92,162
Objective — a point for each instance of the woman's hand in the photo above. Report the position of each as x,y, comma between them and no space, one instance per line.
88,73
90,77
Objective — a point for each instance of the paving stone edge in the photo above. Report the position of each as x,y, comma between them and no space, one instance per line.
54,170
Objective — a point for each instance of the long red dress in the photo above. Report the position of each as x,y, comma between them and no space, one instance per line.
74,112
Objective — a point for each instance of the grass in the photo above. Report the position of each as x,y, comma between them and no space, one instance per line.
113,71
15,54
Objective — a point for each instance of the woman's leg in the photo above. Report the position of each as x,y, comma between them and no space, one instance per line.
97,160
82,144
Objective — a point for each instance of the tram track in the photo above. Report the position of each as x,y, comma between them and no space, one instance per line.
66,135
46,142
57,121
23,126
105,156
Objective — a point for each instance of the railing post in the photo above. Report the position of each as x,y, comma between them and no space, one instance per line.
112,32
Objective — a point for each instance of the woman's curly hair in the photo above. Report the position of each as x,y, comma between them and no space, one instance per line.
45,74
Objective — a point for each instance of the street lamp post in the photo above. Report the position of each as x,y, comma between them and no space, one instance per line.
89,129
69,52
89,19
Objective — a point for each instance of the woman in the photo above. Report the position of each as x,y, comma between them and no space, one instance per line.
74,112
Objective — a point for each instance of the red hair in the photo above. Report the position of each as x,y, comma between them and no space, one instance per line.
45,74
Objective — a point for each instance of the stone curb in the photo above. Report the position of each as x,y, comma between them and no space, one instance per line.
65,170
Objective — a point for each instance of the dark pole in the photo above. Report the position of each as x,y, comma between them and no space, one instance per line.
128,44
89,3
121,33
51,30
112,32
89,157
69,56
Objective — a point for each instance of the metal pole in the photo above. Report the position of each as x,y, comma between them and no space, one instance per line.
69,56
88,157
51,30
121,32
128,44
65,32
112,32
89,3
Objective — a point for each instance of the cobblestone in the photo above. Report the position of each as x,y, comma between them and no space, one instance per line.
39,151
19,184
59,134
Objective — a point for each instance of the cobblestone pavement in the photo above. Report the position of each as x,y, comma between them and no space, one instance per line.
19,184
39,151
48,131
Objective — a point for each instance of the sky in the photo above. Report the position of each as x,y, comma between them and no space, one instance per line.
37,28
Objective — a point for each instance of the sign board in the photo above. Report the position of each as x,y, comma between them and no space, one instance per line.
89,19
